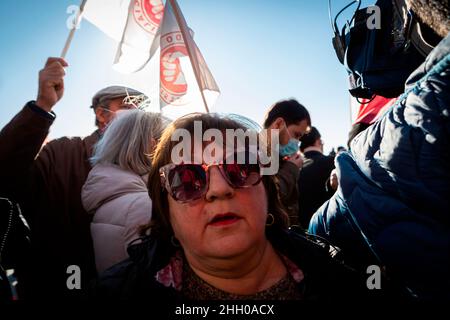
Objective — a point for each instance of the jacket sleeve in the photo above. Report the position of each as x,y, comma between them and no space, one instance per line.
287,178
139,213
20,142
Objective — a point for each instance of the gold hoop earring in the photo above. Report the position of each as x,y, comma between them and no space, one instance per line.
175,242
272,221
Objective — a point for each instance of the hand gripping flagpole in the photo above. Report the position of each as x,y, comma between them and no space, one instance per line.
72,31
180,22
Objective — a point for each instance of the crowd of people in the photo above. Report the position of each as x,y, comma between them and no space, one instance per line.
140,224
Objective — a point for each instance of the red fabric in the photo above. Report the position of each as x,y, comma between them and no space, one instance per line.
370,112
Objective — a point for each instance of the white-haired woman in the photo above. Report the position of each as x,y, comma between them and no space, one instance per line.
116,191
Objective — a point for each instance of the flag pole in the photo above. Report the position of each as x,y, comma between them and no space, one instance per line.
180,21
72,31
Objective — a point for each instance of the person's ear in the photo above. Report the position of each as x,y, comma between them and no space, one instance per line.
278,123
318,143
100,116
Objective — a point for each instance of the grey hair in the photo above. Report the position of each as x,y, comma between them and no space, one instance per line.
127,142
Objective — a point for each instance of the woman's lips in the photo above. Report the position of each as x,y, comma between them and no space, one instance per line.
223,219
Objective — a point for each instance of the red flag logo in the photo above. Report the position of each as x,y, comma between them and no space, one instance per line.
173,82
148,14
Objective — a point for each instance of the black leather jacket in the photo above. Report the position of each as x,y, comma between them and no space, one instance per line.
325,277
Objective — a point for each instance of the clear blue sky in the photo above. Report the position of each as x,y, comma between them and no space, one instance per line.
259,52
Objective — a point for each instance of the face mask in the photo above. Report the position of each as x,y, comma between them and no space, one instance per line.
290,148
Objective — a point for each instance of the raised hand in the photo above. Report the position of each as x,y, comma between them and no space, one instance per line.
51,83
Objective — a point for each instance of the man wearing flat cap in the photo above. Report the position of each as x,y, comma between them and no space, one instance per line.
47,182
111,99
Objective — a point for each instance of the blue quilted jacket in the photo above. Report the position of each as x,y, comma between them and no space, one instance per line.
393,202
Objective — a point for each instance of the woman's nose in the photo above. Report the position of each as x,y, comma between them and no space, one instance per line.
218,187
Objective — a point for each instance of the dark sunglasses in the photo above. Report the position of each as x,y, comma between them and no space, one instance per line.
188,182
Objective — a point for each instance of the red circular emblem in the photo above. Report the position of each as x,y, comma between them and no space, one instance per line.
173,82
148,14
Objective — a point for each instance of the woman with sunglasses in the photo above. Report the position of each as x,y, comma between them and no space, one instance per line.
219,231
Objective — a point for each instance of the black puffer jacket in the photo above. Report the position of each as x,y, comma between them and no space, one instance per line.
394,186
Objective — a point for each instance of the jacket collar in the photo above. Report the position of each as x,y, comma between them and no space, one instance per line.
154,254
151,253
437,55
90,141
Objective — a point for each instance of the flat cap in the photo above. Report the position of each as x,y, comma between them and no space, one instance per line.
114,92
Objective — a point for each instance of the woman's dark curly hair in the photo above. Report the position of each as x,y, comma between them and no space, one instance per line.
160,225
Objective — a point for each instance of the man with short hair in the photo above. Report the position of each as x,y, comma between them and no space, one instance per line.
314,179
47,183
293,121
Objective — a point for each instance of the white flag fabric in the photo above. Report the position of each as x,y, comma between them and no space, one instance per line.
142,27
184,75
108,15
140,38
134,24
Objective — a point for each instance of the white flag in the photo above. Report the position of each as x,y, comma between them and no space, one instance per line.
109,16
185,79
140,38
142,27
134,24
